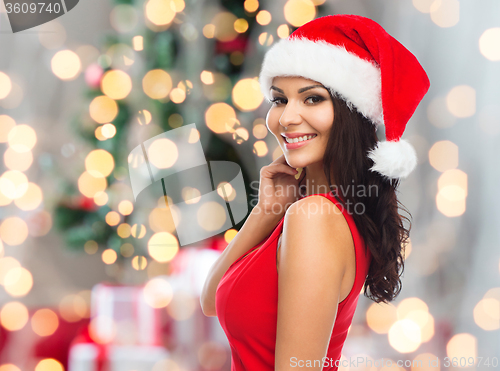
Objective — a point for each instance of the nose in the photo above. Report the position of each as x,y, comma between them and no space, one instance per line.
290,116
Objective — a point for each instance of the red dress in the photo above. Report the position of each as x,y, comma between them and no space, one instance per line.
246,303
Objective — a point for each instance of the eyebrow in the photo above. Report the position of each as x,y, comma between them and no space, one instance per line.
301,90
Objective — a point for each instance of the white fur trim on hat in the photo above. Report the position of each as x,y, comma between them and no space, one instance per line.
355,79
394,159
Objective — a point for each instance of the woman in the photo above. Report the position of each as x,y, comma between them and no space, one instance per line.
286,288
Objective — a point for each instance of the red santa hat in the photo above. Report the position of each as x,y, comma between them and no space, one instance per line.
355,58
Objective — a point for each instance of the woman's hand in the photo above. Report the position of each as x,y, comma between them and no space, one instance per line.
278,187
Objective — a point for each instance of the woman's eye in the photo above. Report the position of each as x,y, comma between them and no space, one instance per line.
317,98
277,100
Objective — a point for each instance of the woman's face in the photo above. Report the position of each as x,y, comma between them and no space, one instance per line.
300,118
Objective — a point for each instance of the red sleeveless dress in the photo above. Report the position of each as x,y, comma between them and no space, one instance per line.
246,303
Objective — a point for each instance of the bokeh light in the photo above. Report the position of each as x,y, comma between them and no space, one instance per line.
263,17
66,65
220,117
443,155
177,95
247,95
240,135
240,25
99,163
462,345
489,44
109,256
138,231
158,292
139,262
6,125
283,31
163,153
6,265
160,12
182,306
299,12
452,193
380,317
103,109
22,138
211,216
191,195
423,6
125,207
260,148
17,161
90,247
157,84
116,84
108,131
13,184
230,234
9,367
163,246
487,314
18,282
13,230
74,307
44,322
445,13
265,38
113,218
259,131
5,85
49,364
124,230
14,316
461,101
207,77
251,5
89,185
404,336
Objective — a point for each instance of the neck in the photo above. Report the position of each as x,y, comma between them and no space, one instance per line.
315,180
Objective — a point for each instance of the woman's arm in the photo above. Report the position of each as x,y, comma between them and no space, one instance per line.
313,259
257,227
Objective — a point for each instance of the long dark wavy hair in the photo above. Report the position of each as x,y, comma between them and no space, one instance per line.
346,164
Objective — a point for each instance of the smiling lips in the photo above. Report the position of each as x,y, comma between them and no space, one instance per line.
297,140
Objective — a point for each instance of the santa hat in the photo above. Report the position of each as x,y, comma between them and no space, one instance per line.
359,61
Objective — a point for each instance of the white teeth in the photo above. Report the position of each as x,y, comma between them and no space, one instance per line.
299,139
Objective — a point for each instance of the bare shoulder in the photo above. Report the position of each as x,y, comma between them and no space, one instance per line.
316,226
316,209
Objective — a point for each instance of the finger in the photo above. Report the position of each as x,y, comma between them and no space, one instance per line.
279,168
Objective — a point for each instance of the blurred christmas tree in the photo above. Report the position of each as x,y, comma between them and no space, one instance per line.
154,76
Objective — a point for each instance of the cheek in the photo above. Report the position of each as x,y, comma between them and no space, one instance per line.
272,122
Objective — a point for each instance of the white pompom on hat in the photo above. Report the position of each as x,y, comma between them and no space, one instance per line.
357,59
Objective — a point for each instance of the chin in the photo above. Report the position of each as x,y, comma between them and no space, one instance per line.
296,161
